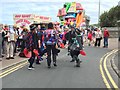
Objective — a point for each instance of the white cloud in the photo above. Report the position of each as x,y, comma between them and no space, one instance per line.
48,8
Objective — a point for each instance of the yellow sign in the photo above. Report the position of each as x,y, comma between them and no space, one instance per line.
72,7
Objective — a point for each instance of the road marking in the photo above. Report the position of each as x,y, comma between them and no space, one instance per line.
106,70
5,73
10,69
103,75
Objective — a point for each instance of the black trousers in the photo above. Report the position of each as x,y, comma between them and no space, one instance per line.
74,54
31,60
51,50
98,42
64,42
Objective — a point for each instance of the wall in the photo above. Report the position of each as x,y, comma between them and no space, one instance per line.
114,31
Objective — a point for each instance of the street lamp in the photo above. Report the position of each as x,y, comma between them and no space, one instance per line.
99,15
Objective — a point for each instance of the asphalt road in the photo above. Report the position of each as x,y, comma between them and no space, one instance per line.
65,75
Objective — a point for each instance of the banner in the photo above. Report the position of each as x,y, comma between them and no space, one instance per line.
72,8
23,16
27,19
23,19
41,19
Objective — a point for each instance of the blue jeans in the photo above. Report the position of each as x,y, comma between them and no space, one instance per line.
105,41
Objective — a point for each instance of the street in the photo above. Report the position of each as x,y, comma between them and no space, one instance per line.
65,75
32,31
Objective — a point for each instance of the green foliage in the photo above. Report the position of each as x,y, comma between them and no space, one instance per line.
110,18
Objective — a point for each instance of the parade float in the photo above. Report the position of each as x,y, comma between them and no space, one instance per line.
72,13
27,19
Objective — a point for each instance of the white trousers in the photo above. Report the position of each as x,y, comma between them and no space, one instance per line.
10,49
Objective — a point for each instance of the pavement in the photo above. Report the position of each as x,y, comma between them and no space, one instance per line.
113,43
115,63
4,64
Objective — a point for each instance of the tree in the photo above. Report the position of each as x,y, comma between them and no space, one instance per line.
110,18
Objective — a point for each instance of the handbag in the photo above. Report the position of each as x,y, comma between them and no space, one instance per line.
100,38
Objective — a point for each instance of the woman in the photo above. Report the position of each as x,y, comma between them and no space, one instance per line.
89,38
32,43
98,36
50,41
64,33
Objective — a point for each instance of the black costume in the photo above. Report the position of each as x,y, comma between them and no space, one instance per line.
75,44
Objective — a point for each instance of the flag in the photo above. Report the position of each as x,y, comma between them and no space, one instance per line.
82,53
27,53
79,19
36,52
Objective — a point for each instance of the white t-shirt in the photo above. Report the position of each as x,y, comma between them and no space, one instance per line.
20,32
98,34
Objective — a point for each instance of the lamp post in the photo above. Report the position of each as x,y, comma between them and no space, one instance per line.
118,23
99,15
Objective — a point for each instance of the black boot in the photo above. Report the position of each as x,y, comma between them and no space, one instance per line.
54,60
72,60
54,63
77,62
37,61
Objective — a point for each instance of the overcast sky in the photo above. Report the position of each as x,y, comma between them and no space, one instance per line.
50,8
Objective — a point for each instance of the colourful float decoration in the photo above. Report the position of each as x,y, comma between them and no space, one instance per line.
71,13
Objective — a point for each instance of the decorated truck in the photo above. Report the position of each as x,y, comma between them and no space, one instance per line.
72,13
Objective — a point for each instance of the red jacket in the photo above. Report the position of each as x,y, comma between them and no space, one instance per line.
106,33
90,36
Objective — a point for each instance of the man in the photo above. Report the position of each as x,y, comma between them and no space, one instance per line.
4,39
39,35
106,36
10,42
75,44
20,38
7,42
